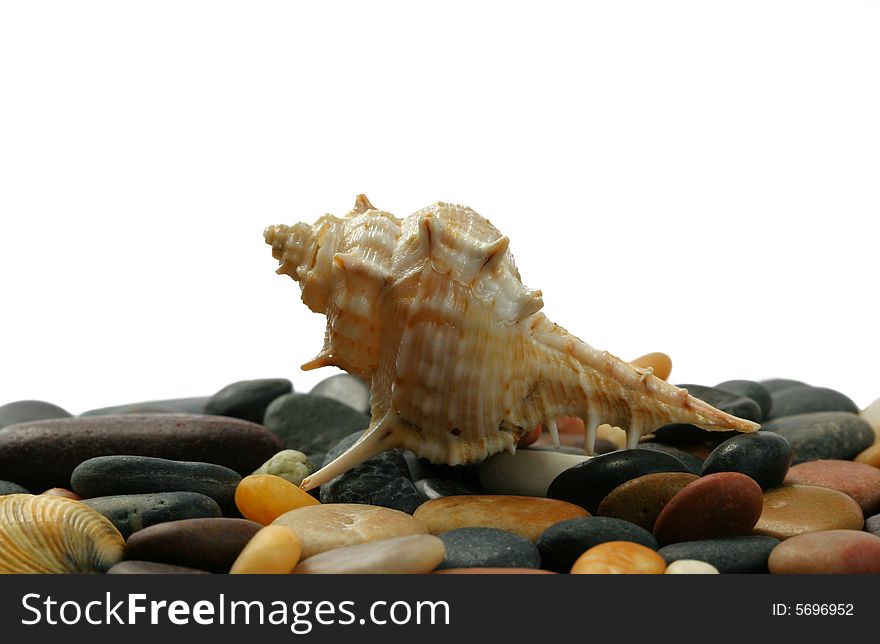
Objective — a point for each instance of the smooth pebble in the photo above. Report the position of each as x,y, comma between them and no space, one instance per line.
844,552
790,510
823,435
414,554
487,548
265,497
764,456
274,550
619,557
289,464
247,399
691,567
562,543
730,555
641,499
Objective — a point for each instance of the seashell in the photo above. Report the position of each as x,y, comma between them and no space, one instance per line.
431,312
54,534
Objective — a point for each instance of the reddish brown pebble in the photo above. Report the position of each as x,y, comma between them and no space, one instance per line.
860,481
640,500
493,571
790,510
829,552
60,491
870,456
619,558
725,504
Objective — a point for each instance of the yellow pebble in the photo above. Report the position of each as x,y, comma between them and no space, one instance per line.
265,497
659,362
870,456
619,558
274,550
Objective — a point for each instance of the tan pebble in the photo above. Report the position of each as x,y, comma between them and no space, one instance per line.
274,550
870,456
659,362
265,497
619,558
493,571
60,491
858,480
641,499
525,515
411,555
336,525
790,510
691,567
871,413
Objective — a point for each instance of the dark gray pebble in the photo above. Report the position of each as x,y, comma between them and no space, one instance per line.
774,385
347,389
248,399
122,474
23,411
562,543
435,488
751,389
152,568
8,487
734,404
193,405
587,483
310,423
43,454
806,400
488,548
765,456
823,435
133,512
382,480
693,463
734,555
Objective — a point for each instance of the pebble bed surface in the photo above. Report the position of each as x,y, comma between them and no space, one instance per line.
210,484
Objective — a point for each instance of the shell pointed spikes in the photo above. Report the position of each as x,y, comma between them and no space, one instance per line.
431,312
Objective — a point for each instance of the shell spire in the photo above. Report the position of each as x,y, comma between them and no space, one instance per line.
431,312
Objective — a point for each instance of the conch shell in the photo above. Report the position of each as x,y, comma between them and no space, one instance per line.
431,312
53,534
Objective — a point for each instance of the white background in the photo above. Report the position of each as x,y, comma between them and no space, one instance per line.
699,178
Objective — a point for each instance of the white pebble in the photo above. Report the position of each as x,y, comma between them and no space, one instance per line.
691,567
529,472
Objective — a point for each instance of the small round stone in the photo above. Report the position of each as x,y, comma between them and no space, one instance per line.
730,555
336,525
844,552
23,411
347,389
691,567
750,389
410,555
659,362
523,515
247,399
152,568
790,510
289,464
588,483
562,543
487,548
274,550
806,400
133,512
265,497
312,424
823,435
763,456
528,472
641,499
860,481
726,504
619,557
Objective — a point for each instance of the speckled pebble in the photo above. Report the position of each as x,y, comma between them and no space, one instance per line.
844,552
133,512
730,555
691,567
487,548
562,543
823,435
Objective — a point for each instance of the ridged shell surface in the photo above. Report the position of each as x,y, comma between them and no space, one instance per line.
53,534
431,312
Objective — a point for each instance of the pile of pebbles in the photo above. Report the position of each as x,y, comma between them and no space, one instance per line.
211,485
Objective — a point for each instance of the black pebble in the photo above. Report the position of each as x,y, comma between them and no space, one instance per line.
488,548
805,400
729,554
693,463
247,399
562,543
764,456
751,389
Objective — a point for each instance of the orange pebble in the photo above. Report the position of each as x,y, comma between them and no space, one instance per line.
870,456
619,558
265,497
60,491
659,362
274,550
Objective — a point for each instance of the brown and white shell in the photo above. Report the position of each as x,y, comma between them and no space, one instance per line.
431,312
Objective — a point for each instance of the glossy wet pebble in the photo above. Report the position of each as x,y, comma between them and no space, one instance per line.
641,499
274,550
860,481
588,483
693,462
152,568
487,548
312,424
726,504
763,456
829,552
116,475
750,389
733,555
410,555
823,435
735,404
265,497
806,400
133,512
797,509
528,472
206,544
382,480
691,567
619,557
325,527
247,399
523,515
347,389
23,411
44,453
562,543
